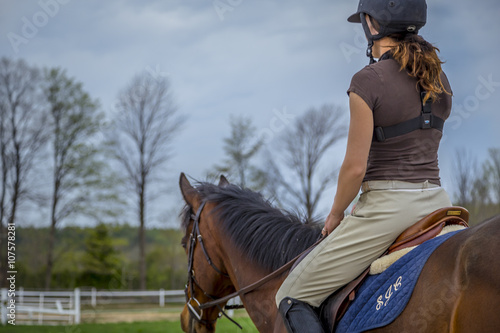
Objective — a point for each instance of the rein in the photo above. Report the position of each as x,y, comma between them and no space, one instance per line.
259,283
195,237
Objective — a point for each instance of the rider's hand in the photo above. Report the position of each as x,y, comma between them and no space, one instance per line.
332,222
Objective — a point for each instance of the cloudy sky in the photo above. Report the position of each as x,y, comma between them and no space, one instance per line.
266,59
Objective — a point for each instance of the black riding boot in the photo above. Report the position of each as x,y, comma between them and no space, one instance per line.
299,317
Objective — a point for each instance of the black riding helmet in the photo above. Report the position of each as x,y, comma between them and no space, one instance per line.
394,16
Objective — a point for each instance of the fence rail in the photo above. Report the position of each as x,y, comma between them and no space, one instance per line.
60,307
41,307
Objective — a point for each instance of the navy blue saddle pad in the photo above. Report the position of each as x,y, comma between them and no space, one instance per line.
382,298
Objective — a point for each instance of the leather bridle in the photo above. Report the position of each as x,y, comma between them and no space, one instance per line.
194,238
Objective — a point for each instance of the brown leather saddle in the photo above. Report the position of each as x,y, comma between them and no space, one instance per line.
336,305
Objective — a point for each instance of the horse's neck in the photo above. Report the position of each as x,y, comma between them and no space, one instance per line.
260,303
242,269
261,306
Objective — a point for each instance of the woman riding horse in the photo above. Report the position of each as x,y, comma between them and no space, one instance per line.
398,106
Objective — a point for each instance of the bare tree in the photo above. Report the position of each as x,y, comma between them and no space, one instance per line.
78,172
492,168
240,148
296,160
145,126
465,176
23,133
478,187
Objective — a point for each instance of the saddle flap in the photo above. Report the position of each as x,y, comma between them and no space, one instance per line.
335,306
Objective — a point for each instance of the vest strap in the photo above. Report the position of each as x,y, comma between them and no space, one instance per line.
426,120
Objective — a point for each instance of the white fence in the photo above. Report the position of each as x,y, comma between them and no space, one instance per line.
59,307
34,307
95,297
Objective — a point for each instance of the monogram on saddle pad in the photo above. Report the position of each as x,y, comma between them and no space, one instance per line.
429,227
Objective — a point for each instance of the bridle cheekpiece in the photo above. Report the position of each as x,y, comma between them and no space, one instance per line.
194,238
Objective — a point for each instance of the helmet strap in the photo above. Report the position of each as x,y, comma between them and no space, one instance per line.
371,38
369,52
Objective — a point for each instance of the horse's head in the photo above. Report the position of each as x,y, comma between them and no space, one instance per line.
207,276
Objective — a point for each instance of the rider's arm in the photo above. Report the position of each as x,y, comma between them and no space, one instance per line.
353,168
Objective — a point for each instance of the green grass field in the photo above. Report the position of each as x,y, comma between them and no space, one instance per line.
223,326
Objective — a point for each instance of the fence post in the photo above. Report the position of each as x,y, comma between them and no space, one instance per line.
162,297
40,312
77,305
230,313
93,297
3,306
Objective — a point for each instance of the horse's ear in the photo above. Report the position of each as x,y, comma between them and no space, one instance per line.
190,194
223,182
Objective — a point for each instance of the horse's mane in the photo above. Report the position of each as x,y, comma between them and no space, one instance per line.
268,235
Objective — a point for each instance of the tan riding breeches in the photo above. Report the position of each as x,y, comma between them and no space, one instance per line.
384,210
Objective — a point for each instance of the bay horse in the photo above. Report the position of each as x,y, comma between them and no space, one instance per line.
239,238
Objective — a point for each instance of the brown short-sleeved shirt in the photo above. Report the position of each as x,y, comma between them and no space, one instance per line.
393,97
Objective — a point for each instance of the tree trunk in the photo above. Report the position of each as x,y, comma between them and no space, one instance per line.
50,256
142,240
52,238
309,203
10,221
15,195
